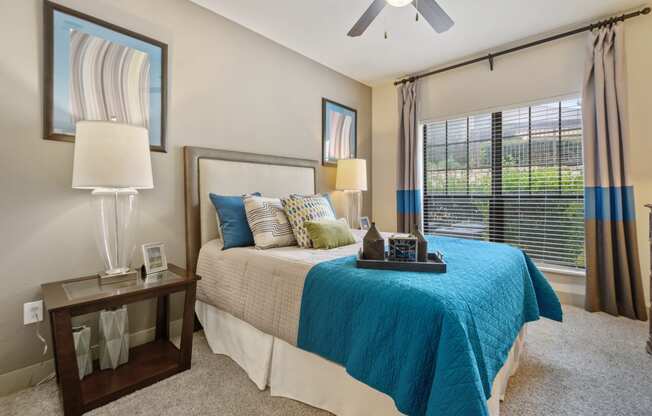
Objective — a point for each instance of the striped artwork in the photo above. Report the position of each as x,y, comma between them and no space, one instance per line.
338,145
109,81
339,132
268,222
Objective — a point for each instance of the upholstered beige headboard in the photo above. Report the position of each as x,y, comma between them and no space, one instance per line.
235,173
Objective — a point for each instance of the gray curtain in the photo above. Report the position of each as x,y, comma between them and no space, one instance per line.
613,273
408,193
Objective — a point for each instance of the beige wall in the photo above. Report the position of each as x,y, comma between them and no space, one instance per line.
554,69
229,88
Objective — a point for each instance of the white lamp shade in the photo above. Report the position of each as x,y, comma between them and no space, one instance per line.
351,175
111,155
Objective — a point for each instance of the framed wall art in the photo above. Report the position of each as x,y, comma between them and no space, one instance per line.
95,70
339,132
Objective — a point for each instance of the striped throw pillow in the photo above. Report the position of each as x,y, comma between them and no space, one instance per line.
268,223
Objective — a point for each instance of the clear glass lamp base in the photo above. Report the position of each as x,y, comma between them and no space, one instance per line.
354,208
116,216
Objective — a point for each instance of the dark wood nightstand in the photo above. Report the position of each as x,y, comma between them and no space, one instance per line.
148,363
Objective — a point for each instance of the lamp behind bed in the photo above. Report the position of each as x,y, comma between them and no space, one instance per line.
352,179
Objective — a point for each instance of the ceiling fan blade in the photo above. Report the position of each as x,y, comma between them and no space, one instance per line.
363,23
434,14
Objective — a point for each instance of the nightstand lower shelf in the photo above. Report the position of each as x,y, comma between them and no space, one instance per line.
148,363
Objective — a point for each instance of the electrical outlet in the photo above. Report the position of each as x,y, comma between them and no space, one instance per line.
32,312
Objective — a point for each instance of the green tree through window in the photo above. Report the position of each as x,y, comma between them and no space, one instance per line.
512,176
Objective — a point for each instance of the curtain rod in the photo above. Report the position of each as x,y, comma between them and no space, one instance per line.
490,57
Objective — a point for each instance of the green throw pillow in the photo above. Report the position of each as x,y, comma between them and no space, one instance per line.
329,233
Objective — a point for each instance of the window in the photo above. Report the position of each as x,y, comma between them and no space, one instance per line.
514,176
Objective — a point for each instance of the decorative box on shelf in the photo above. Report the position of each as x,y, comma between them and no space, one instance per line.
82,340
114,337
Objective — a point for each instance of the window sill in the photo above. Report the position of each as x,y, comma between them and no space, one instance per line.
568,283
564,271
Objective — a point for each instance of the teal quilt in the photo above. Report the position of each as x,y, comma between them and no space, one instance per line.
432,342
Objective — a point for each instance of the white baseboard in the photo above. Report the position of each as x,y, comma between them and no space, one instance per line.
22,378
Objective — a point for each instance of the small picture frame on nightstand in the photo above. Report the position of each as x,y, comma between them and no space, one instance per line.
365,224
154,258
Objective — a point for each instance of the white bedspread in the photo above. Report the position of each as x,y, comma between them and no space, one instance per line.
262,287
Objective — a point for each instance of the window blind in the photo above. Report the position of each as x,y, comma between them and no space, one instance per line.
512,176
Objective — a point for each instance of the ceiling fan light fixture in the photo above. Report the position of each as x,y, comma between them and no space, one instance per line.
429,9
398,3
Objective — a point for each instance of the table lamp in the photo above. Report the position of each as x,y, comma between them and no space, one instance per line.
352,179
113,160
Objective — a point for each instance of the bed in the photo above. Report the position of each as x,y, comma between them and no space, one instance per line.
250,301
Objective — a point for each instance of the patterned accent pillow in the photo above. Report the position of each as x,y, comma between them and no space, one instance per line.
326,196
302,209
268,222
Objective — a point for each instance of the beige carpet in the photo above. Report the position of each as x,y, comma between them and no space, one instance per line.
592,364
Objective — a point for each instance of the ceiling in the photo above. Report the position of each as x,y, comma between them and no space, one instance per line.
317,29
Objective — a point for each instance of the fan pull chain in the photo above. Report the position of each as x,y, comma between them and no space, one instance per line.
385,24
416,19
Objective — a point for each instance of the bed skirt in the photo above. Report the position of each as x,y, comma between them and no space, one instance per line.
296,374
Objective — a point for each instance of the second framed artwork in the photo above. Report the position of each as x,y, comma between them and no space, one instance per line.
339,132
95,70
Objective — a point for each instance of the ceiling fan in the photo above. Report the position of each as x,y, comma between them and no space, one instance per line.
429,9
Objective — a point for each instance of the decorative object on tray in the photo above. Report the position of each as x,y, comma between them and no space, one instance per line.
95,70
373,244
268,222
364,223
114,338
114,161
422,244
81,336
301,209
352,179
154,258
434,264
339,132
403,248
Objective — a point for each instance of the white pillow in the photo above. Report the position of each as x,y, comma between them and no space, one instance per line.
268,222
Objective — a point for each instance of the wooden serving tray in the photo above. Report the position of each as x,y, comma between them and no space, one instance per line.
435,264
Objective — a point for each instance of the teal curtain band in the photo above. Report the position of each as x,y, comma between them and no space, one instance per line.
613,203
408,201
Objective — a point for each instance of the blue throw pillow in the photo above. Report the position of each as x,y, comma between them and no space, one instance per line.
233,220
330,202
